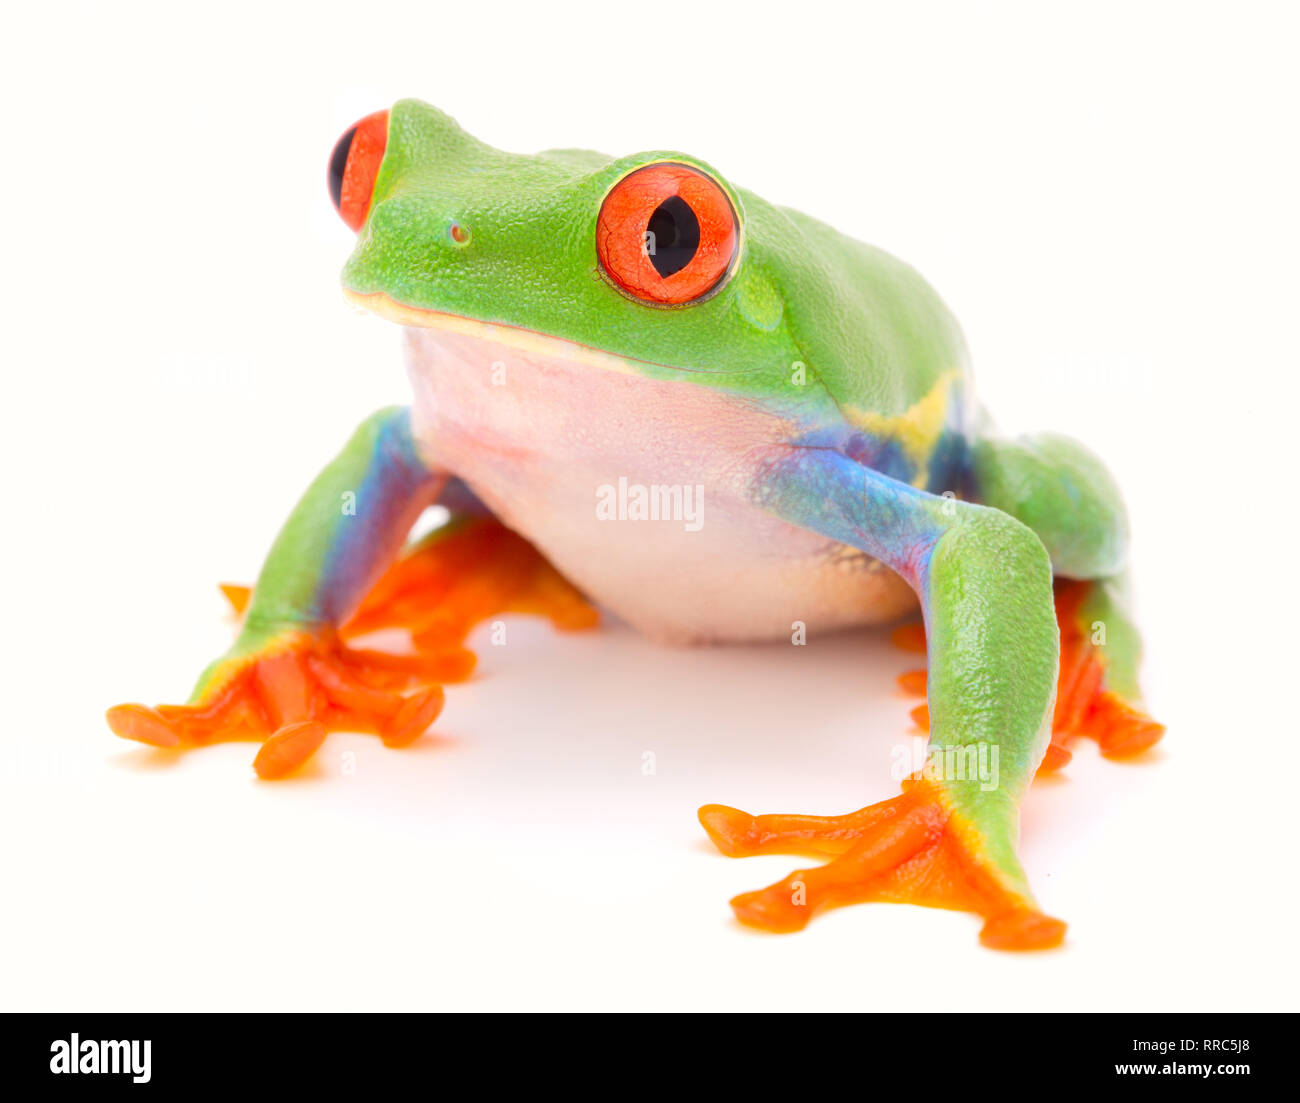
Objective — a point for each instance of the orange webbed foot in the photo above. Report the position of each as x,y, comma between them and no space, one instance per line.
299,686
1121,730
291,692
912,848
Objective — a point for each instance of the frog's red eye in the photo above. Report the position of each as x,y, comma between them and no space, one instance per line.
354,164
667,233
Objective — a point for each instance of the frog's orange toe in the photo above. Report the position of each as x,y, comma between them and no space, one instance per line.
1054,758
730,829
143,724
776,909
288,749
911,849
1121,730
1022,929
413,717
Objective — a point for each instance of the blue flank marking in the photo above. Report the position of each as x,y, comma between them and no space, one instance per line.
394,476
823,490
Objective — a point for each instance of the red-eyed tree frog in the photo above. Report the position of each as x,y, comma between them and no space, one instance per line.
641,388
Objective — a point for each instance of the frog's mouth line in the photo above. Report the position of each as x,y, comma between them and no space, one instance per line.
501,333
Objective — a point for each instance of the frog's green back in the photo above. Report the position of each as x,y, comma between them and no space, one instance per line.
880,337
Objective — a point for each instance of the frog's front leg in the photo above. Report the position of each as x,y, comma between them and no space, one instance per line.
290,678
985,587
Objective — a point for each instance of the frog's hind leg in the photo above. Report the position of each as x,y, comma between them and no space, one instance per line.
466,571
1065,494
1097,693
463,573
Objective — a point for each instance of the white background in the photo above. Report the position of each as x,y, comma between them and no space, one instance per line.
1104,194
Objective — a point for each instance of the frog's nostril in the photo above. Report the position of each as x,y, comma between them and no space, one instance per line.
354,167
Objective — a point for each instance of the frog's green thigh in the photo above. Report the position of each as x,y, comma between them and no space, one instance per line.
1061,491
334,572
985,586
1065,494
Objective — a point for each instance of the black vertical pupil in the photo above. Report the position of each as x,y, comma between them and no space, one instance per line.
672,236
339,164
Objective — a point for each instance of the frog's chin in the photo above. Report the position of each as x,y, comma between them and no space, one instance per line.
497,333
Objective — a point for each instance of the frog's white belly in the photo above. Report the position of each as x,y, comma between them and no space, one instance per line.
558,447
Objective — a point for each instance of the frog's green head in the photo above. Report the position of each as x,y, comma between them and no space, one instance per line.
646,260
